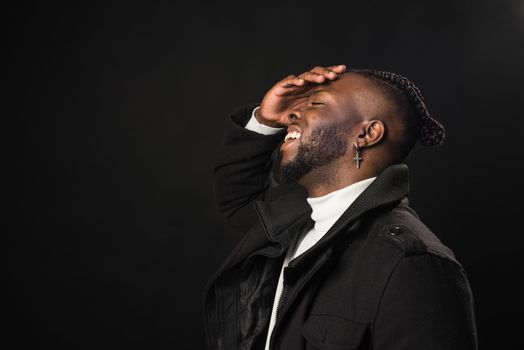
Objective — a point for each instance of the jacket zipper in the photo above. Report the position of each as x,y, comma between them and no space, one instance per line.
280,303
279,300
285,291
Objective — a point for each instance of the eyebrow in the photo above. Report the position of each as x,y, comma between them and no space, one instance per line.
319,91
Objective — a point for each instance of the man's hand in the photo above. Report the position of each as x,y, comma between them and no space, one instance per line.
287,94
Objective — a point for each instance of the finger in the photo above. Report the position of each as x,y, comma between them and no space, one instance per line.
327,73
313,77
341,68
331,72
291,81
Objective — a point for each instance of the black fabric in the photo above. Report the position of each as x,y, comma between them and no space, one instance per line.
379,279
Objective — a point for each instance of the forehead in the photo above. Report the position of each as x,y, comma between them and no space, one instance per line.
352,91
346,86
347,83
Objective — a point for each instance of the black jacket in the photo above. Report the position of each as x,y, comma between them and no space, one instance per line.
379,279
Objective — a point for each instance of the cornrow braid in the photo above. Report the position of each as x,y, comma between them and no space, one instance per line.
431,132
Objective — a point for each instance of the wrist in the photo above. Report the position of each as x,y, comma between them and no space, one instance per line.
254,125
264,121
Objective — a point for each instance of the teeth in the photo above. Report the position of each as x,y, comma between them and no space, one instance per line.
293,135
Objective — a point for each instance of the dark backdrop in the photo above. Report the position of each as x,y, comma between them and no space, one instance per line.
114,116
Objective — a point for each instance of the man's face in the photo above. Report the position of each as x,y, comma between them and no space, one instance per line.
325,122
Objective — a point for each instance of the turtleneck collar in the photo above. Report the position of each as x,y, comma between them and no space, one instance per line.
329,208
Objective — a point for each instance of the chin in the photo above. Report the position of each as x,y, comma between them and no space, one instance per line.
287,158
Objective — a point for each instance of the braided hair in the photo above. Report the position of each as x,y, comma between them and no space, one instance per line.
408,98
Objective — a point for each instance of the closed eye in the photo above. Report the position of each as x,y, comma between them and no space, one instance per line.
317,103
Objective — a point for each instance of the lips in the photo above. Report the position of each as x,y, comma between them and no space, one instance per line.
294,133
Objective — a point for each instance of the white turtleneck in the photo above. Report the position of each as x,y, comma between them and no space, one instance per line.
326,210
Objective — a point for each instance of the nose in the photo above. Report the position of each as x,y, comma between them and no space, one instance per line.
295,115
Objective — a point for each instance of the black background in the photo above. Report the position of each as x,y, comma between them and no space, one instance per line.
114,117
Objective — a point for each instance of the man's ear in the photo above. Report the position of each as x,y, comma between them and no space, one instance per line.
371,133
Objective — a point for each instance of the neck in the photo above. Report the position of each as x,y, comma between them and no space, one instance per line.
334,176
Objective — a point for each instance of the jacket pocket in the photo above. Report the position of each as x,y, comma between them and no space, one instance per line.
327,332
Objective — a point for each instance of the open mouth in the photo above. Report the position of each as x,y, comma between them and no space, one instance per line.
292,136
294,133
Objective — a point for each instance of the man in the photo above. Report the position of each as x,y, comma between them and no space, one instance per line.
332,256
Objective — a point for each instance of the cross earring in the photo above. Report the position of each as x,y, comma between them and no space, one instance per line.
357,158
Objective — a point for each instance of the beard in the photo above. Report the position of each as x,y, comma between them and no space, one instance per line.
326,143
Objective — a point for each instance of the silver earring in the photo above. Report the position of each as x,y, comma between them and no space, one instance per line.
357,158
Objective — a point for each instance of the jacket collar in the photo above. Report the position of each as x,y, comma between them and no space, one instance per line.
390,186
282,213
285,212
278,213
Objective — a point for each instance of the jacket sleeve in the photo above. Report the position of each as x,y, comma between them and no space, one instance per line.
427,304
243,169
